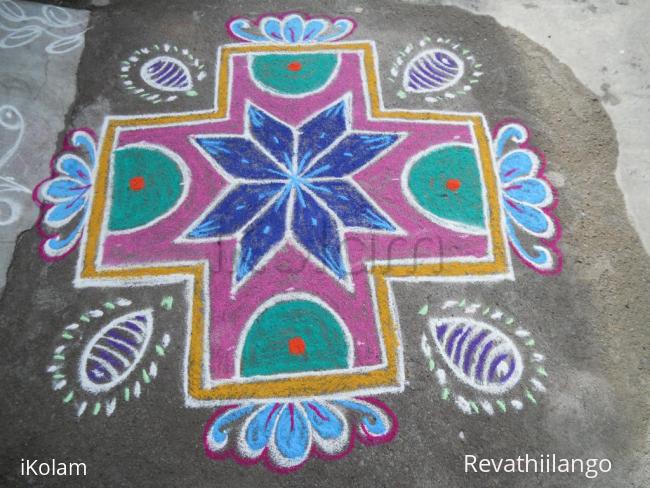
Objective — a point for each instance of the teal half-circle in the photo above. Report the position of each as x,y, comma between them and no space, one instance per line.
446,186
294,336
294,74
146,182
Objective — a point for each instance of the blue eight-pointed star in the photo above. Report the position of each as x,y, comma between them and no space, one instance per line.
293,183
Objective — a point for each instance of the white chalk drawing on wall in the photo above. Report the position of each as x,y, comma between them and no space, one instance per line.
482,359
161,72
437,70
108,356
12,128
53,22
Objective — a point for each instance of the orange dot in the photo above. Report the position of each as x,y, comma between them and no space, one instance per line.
296,346
136,183
294,66
453,184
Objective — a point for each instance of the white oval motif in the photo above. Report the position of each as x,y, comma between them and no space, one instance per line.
112,353
167,74
479,354
432,70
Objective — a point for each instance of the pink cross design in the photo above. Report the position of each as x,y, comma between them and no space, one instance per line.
421,249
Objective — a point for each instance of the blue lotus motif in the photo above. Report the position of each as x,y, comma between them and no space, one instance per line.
291,29
527,198
285,434
66,195
293,185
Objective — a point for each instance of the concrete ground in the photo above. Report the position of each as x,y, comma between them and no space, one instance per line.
572,71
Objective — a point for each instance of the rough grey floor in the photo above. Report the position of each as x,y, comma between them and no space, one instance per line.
591,320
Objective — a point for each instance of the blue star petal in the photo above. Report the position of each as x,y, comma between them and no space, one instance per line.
320,132
272,135
351,153
240,157
316,230
262,234
235,210
352,207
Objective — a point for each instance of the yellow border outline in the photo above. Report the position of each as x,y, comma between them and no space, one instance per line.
324,384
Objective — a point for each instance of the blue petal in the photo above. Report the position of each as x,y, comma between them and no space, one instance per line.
516,164
323,420
64,211
217,436
235,210
530,218
292,436
513,132
373,421
273,135
351,153
239,26
63,188
261,236
57,246
85,141
293,29
543,260
74,167
240,158
529,190
318,233
313,28
260,428
350,205
340,28
271,29
320,132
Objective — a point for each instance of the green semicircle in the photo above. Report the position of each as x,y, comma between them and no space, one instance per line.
446,186
146,184
294,74
294,336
